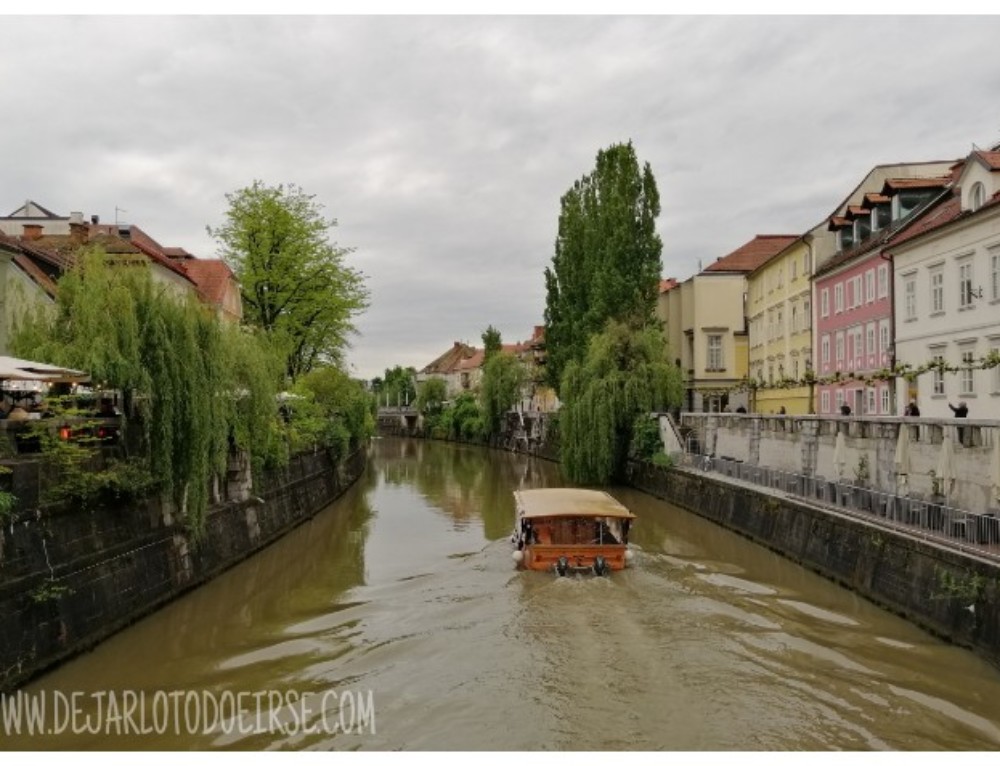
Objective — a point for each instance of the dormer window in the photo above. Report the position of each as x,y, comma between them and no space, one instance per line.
862,228
881,216
845,238
978,197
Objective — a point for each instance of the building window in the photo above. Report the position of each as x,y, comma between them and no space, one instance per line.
805,263
859,349
806,314
715,353
838,298
825,349
995,273
824,401
840,348
858,298
885,400
978,196
883,280
870,286
795,269
870,336
910,296
938,375
840,399
883,337
795,369
937,290
795,319
965,284
870,401
968,379
824,302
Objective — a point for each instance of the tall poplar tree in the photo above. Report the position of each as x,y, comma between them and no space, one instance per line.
607,262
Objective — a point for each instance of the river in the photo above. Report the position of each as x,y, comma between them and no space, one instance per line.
395,620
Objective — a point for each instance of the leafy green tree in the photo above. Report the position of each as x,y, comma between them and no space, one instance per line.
332,409
607,261
295,284
492,343
431,396
398,387
500,389
625,375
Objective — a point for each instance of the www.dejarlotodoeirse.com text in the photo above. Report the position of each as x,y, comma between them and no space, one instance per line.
132,712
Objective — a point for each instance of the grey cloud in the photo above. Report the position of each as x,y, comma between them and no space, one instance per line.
443,144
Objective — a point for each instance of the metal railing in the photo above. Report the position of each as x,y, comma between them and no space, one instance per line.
977,533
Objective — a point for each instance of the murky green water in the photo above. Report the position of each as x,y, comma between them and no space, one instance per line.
402,600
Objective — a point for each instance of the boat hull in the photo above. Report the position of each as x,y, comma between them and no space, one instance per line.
545,558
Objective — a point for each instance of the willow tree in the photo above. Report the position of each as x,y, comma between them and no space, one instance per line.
191,385
296,285
607,261
623,377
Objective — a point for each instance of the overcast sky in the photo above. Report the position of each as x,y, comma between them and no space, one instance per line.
442,145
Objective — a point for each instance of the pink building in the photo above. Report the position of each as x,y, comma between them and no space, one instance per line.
853,298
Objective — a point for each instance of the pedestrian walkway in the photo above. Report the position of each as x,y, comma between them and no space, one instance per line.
973,533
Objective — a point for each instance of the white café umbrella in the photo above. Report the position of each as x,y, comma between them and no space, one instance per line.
12,368
840,454
901,460
945,472
995,464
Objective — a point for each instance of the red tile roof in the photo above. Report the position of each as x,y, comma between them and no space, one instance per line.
895,184
990,159
944,213
754,253
837,222
857,210
37,275
874,198
211,277
448,361
666,285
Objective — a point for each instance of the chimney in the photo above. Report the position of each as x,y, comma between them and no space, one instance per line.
32,231
77,231
95,219
75,217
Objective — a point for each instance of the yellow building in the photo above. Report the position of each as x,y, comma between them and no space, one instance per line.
779,310
705,323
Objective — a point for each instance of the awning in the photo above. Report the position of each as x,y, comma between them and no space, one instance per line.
12,368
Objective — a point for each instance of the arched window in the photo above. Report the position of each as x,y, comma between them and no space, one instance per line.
978,197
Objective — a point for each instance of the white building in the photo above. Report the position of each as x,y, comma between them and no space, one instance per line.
947,294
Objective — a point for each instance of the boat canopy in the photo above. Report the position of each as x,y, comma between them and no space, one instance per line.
540,503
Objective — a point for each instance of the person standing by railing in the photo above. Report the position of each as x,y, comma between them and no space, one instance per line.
961,411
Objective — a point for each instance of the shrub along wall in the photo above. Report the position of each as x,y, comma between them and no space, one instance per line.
950,593
70,579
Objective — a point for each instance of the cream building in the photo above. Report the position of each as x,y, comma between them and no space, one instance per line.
705,325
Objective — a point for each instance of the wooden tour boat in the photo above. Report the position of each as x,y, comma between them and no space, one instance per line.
571,530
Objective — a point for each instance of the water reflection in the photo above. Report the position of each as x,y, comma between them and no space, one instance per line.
405,588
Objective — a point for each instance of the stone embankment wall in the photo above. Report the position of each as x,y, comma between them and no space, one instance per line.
806,445
70,579
952,594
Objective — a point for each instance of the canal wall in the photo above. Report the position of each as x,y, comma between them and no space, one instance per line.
70,579
953,594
